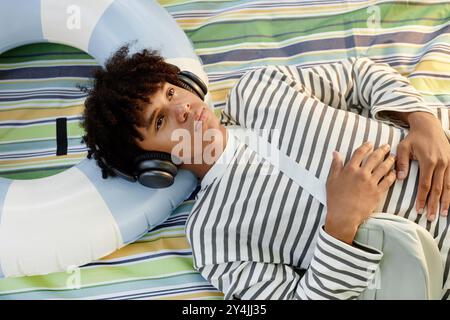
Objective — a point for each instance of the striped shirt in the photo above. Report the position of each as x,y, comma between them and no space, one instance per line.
255,233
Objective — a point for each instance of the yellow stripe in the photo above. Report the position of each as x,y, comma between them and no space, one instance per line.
430,85
33,114
153,246
34,160
433,65
248,14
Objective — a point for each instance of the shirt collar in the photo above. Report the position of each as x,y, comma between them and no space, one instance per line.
221,164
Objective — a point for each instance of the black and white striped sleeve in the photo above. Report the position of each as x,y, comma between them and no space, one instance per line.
363,83
337,271
359,85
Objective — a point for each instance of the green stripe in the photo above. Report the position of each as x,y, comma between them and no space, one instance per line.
40,144
101,274
186,278
28,174
302,58
46,83
42,51
280,29
45,131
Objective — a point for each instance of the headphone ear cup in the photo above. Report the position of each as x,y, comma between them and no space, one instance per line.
193,83
156,179
155,169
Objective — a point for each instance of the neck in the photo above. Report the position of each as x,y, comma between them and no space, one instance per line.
201,169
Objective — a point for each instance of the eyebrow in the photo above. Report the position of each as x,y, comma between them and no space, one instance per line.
151,118
149,121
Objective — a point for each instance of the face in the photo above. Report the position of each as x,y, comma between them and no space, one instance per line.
177,119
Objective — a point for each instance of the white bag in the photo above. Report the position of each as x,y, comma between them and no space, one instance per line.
411,267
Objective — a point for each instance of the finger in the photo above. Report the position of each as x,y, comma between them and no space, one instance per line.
445,198
336,165
359,154
425,179
376,158
383,168
387,181
402,165
435,191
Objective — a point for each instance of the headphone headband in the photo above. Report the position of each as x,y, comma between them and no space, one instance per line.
193,83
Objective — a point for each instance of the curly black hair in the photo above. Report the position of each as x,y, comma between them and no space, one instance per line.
114,105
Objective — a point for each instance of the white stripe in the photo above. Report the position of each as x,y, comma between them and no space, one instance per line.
52,223
71,22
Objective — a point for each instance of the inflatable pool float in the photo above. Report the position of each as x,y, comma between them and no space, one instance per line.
74,217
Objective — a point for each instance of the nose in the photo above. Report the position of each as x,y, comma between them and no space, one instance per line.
182,112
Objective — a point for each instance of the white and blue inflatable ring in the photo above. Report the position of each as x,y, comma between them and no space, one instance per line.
74,217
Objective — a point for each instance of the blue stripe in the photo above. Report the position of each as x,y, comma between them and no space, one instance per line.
48,72
189,289
41,97
148,257
294,33
21,93
143,21
20,23
44,169
136,208
28,123
4,186
166,225
37,144
50,82
324,45
425,74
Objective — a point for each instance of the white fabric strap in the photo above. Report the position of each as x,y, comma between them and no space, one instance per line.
282,162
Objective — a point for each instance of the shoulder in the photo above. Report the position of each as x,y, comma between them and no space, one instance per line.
259,74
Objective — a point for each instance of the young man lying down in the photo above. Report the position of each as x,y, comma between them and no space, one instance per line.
254,232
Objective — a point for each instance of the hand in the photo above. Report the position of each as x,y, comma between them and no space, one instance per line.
355,190
427,143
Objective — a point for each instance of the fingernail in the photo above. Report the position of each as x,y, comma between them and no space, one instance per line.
420,211
431,218
401,174
444,212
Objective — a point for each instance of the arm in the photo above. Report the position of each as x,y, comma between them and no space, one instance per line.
369,88
354,84
362,86
337,271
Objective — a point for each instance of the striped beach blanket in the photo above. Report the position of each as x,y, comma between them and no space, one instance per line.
38,83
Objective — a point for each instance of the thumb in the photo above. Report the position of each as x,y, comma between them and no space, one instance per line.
402,164
336,165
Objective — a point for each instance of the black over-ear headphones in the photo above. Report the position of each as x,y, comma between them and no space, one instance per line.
156,169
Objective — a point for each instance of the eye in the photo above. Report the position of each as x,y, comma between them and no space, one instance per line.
159,122
170,93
